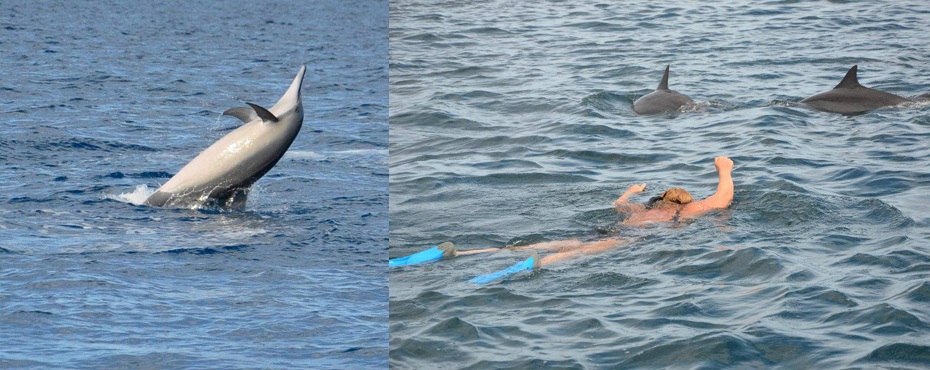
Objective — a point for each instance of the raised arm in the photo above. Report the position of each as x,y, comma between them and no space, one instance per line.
624,205
720,199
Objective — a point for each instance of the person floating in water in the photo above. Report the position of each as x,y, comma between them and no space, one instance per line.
673,205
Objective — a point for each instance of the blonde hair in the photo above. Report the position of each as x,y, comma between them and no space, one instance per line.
676,195
671,198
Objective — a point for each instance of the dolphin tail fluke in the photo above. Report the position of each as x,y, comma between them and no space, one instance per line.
851,80
664,84
292,96
265,115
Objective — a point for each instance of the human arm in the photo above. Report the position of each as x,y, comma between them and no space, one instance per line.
720,199
624,205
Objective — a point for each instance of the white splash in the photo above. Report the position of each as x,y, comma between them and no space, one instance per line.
137,196
914,104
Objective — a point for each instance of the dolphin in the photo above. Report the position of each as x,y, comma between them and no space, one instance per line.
662,100
222,174
851,97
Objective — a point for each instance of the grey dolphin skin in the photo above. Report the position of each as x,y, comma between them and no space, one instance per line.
851,97
222,174
662,100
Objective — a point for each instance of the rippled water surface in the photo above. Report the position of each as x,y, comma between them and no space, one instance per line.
104,101
511,123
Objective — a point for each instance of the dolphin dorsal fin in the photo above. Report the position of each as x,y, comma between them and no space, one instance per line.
245,114
663,85
263,113
850,81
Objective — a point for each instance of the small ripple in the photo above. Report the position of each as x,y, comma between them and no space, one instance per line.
748,263
881,319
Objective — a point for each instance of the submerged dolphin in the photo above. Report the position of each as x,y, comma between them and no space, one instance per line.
851,97
222,174
662,100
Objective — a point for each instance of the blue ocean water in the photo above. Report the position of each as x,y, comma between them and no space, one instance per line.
104,101
511,123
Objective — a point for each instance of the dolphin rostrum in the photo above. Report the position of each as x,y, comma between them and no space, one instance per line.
223,173
662,100
851,97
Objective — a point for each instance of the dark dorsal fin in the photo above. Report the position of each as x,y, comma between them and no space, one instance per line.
664,84
850,81
245,114
265,115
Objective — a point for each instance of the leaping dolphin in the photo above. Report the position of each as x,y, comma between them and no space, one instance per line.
662,100
223,173
851,97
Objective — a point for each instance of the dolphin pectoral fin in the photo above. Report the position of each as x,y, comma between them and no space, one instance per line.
663,85
245,114
851,80
265,115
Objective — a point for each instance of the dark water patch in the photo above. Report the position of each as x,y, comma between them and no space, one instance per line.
678,309
613,280
465,72
881,319
440,352
140,175
596,25
920,293
84,144
606,157
598,130
899,353
712,350
429,37
779,348
454,329
436,119
749,263
589,328
523,178
609,102
208,251
509,164
486,31
820,295
17,200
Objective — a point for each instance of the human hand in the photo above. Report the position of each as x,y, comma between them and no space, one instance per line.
723,164
636,188
632,190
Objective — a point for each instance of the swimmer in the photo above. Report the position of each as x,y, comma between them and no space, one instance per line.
673,205
676,203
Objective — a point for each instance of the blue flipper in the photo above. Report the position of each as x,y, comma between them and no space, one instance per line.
530,263
444,250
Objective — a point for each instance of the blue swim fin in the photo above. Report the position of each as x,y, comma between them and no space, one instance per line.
445,250
530,263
